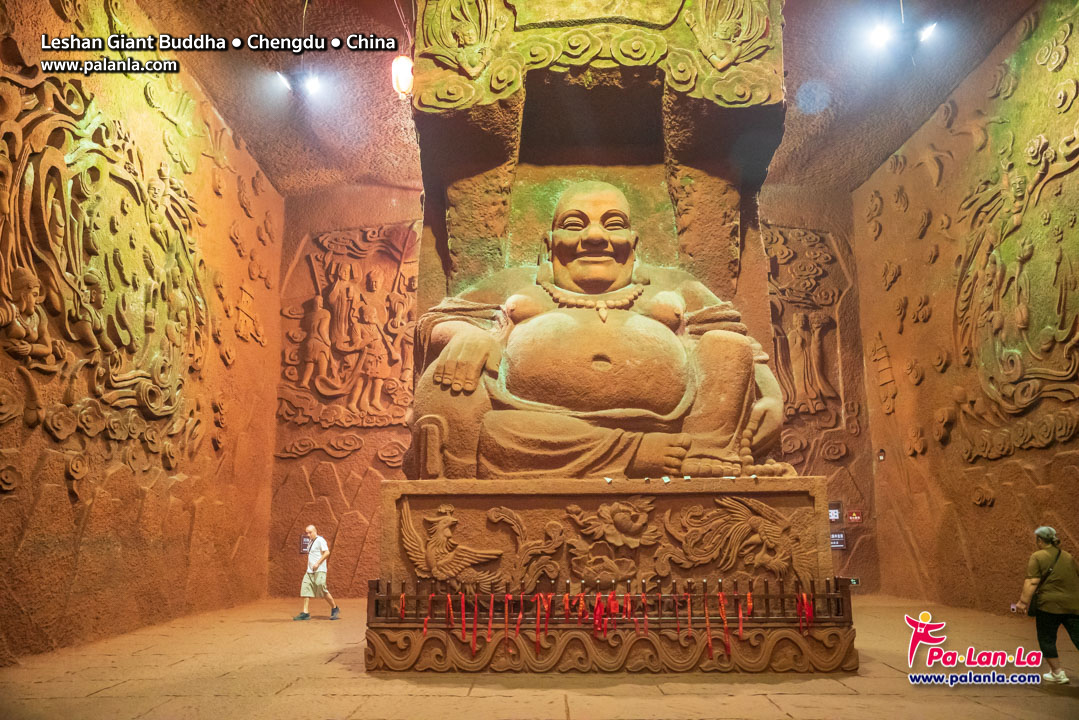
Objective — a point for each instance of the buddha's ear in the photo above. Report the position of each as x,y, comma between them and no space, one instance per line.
636,238
548,242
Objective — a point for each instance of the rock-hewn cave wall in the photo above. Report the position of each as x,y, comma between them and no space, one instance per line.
967,242
345,382
817,358
139,247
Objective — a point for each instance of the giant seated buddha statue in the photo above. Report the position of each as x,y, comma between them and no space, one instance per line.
592,364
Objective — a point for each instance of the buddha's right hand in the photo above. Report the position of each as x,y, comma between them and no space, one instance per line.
464,359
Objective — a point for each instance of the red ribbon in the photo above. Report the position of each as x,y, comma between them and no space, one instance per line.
449,611
402,606
740,619
538,600
464,620
565,604
708,626
726,629
628,606
430,599
597,617
547,599
475,619
689,614
612,611
749,604
509,648
644,608
582,607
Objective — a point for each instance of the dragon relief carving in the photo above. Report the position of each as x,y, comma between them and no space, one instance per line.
622,541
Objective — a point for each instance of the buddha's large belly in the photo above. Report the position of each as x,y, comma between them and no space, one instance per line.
570,358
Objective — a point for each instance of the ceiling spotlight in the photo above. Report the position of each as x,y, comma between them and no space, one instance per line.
284,80
311,84
880,36
927,32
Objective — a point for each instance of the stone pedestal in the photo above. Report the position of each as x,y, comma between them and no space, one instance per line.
586,575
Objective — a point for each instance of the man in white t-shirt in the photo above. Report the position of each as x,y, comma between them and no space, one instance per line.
314,580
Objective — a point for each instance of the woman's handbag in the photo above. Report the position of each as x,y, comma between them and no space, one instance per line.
1032,607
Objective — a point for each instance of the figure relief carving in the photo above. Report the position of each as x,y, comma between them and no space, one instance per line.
67,275
349,359
480,57
1003,276
592,364
462,34
731,32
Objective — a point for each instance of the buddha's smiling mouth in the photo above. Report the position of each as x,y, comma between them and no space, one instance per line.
595,257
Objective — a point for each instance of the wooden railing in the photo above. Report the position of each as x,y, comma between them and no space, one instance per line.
689,603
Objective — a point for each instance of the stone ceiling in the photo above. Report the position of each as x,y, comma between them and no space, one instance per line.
849,108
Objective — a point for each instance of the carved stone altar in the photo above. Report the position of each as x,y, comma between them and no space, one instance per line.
592,429
713,575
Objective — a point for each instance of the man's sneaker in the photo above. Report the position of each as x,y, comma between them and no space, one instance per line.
335,614
1056,677
302,616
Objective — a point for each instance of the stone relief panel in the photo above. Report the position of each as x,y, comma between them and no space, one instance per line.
125,335
349,346
345,393
645,541
817,359
990,330
478,51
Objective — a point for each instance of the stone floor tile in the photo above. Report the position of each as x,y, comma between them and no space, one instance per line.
892,707
381,685
673,707
55,689
384,707
1049,705
249,686
77,708
256,708
753,685
512,685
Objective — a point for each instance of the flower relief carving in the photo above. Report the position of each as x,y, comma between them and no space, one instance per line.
1054,53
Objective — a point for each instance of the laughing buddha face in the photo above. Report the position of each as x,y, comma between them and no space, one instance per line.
591,245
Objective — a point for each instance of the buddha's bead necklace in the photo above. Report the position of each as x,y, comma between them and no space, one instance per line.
619,300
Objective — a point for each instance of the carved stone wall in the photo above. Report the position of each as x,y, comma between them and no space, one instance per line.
344,391
138,251
816,356
966,246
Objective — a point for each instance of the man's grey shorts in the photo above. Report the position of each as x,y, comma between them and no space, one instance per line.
314,584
